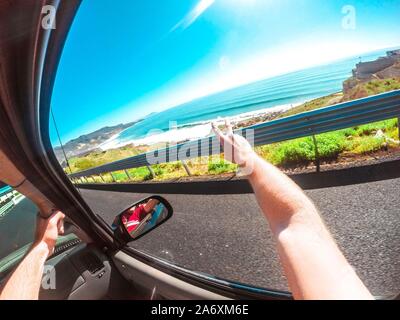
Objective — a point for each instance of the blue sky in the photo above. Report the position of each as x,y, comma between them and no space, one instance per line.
125,59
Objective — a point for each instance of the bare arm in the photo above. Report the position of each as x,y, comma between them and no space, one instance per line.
150,205
24,282
313,264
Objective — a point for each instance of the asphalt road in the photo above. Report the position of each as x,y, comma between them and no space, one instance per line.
226,235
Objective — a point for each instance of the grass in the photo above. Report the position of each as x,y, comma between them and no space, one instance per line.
358,140
298,152
95,159
302,151
221,166
372,87
314,104
361,90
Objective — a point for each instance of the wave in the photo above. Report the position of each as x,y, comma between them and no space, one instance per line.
191,131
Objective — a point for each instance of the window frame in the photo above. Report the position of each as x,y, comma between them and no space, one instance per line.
49,57
232,289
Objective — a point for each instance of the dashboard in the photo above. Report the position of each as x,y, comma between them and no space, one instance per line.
83,273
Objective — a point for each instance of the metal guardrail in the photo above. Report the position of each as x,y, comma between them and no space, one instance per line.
340,116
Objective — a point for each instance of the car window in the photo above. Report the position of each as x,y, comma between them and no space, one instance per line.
310,84
17,228
17,221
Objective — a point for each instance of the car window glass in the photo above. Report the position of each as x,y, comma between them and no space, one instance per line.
17,221
17,228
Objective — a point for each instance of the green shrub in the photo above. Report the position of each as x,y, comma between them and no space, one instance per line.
330,145
367,144
84,163
349,132
147,177
299,151
140,174
176,165
302,151
158,169
372,128
221,167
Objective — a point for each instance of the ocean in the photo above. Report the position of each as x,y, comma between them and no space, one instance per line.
193,118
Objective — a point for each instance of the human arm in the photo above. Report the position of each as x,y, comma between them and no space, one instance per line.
150,205
24,283
313,264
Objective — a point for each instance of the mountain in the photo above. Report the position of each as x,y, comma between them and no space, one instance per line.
89,142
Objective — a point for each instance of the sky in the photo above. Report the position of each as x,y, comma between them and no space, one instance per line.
126,59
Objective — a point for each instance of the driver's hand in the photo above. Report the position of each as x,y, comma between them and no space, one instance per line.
47,230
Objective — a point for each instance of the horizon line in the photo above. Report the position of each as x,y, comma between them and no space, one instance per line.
227,89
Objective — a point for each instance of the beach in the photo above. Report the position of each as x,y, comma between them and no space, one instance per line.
194,131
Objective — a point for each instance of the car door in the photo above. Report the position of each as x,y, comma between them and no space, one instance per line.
79,270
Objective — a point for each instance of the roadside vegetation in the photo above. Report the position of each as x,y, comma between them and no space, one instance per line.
353,141
361,90
332,146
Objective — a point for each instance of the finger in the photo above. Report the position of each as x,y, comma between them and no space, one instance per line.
60,226
57,219
215,128
218,132
57,216
229,127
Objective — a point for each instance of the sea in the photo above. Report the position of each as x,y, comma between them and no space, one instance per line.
191,120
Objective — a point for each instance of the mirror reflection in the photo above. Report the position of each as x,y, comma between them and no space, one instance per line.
141,217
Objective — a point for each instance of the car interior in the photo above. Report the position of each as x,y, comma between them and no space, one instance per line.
92,260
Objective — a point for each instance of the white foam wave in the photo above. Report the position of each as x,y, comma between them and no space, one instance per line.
190,131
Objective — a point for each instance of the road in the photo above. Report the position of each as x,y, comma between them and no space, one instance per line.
227,236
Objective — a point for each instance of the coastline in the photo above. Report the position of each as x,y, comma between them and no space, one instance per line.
341,147
269,95
199,129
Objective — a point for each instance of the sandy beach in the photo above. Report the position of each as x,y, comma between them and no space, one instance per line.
193,131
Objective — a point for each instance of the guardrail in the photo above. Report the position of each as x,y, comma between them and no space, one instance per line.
340,116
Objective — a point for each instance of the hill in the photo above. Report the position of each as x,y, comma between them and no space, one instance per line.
89,142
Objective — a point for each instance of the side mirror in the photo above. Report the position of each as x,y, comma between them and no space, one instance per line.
141,217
